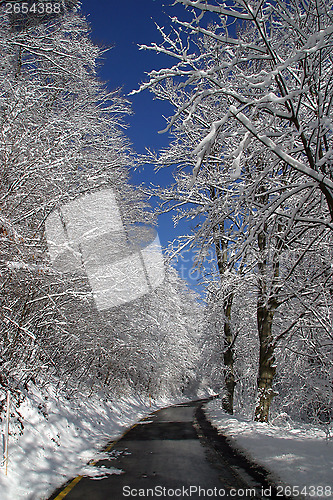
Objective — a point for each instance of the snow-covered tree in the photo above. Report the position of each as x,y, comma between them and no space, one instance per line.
161,334
252,99
280,56
61,137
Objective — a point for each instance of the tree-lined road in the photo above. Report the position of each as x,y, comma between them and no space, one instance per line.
170,454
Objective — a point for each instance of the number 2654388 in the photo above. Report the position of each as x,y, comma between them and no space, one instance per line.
34,8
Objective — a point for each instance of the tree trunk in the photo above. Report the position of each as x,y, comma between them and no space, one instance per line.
267,369
266,307
221,250
228,354
228,357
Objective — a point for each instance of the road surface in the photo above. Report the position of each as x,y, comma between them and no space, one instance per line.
173,453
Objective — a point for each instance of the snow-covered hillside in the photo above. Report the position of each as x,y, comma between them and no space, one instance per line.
60,437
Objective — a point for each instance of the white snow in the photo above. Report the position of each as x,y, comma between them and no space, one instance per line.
296,455
61,437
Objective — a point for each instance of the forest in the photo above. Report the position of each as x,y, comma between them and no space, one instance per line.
251,88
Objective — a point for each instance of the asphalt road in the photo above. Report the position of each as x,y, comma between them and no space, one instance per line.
174,453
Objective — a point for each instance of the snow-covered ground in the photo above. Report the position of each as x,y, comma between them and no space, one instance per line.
60,437
299,457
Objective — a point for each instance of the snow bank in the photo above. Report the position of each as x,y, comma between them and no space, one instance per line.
299,456
60,437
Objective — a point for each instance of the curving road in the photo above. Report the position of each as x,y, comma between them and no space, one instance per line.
173,453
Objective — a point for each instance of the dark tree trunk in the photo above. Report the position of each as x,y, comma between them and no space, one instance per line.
228,353
266,307
266,372
228,358
221,250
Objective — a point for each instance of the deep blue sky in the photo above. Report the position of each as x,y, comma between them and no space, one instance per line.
123,25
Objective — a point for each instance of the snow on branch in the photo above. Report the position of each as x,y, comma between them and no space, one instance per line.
217,9
298,165
205,146
238,155
221,38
